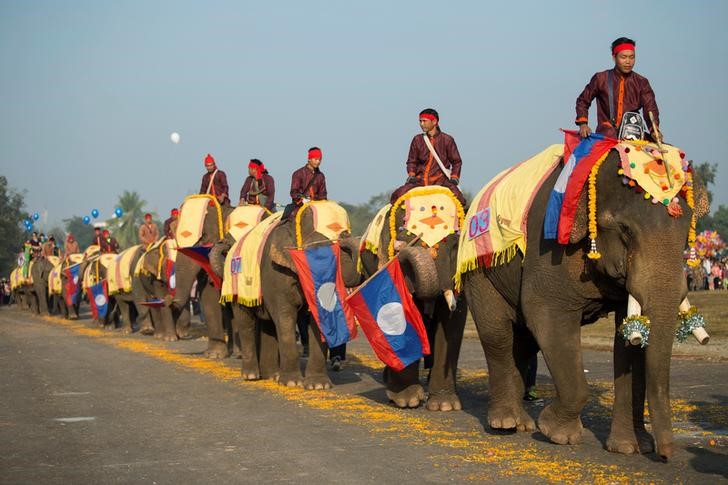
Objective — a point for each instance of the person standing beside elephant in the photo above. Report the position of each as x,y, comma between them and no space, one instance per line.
170,225
433,158
259,187
148,232
214,182
307,183
629,91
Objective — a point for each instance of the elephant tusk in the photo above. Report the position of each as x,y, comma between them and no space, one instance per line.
635,338
399,245
633,306
699,333
685,305
452,302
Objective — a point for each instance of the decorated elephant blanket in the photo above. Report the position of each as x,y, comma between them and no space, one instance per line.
242,219
241,281
373,233
91,251
329,219
54,277
192,219
495,225
91,275
16,279
119,272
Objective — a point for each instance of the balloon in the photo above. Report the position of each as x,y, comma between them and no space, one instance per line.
36,216
86,220
118,212
174,137
95,213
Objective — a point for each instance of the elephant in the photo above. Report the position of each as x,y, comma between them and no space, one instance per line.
268,331
38,290
164,322
428,271
131,312
541,299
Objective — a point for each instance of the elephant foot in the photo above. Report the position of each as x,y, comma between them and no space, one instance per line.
317,383
558,430
72,317
443,401
410,397
170,338
183,333
510,417
665,450
146,330
250,376
216,350
109,327
158,335
629,442
292,379
126,329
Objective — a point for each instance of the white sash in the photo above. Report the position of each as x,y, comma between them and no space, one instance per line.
446,171
212,179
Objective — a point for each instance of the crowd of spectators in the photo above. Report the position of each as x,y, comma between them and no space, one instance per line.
710,274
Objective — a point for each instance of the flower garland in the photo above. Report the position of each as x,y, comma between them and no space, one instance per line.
636,323
693,261
299,235
593,253
689,321
434,189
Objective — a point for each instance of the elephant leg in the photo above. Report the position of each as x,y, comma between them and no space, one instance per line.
403,388
244,323
125,309
284,315
268,349
183,322
216,344
449,329
628,434
145,319
233,341
558,333
494,320
316,375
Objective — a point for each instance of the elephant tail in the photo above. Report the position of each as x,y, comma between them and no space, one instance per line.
420,271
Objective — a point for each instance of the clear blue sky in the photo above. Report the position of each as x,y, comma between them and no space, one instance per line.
91,90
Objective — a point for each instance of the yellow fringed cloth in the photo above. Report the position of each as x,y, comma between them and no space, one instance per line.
192,219
373,233
119,271
495,225
242,219
91,251
91,275
16,278
329,219
54,277
241,281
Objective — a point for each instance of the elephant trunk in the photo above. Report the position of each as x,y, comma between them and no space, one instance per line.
420,270
349,261
218,253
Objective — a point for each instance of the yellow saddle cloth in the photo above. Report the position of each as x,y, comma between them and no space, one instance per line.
329,219
92,250
92,272
242,219
55,284
119,272
192,218
495,225
241,282
660,175
16,278
373,233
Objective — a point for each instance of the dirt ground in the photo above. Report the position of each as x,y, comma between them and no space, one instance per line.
712,304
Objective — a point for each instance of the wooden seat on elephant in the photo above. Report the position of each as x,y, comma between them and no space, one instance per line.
241,280
191,220
329,220
243,218
119,271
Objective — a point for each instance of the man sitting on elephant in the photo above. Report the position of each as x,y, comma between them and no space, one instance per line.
71,246
170,225
307,183
49,248
148,232
628,92
259,187
109,244
214,182
433,158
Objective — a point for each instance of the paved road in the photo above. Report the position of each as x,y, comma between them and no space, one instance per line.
80,405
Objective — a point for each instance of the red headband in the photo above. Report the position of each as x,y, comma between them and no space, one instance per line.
315,153
622,47
428,116
174,212
209,160
259,169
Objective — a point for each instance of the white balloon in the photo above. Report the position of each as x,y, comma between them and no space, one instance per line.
174,137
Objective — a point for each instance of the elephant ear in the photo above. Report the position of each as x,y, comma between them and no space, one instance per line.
581,219
281,238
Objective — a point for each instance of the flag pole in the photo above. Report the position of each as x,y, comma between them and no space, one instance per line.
417,238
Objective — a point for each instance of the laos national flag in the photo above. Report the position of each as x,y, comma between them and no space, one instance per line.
98,298
319,271
390,320
201,256
72,284
580,155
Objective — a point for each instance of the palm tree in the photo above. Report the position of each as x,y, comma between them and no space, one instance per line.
125,228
